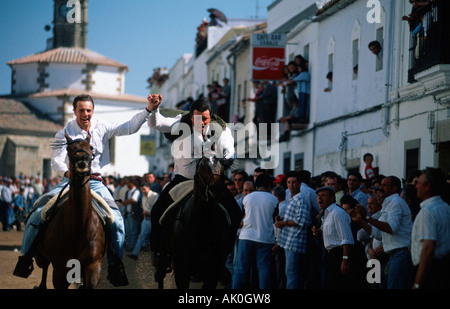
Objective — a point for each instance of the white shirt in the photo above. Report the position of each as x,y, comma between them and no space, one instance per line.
149,200
190,147
101,132
433,223
396,212
259,207
336,229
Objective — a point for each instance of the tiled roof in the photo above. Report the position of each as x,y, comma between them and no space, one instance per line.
16,117
73,55
74,92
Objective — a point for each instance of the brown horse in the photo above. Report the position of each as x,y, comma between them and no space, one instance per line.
75,230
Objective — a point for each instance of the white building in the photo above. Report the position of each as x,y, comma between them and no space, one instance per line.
393,107
378,110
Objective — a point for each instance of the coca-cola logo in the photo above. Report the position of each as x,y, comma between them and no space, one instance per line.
264,63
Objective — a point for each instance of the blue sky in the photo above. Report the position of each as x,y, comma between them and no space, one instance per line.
143,34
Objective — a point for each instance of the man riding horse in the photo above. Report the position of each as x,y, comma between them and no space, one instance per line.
101,132
202,131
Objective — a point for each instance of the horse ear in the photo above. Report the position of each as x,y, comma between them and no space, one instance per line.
69,140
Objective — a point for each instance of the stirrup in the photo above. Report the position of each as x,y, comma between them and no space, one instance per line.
24,267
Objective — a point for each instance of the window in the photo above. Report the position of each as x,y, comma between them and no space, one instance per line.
299,161
286,162
380,39
355,53
412,157
355,48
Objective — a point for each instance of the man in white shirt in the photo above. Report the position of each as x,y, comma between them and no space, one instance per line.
196,134
430,243
393,228
101,132
149,198
337,239
257,236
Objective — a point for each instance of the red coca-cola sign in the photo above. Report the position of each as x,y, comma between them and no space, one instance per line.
267,63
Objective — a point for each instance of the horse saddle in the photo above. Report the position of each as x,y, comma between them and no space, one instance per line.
179,194
98,203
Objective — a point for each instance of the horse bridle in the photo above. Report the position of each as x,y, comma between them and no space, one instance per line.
90,159
206,185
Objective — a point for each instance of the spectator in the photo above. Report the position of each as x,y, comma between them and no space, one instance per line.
303,80
374,247
430,247
149,198
239,178
295,116
337,182
357,252
279,263
280,180
258,171
291,95
150,178
337,240
6,204
231,259
133,212
232,188
269,96
330,82
375,47
354,180
293,236
257,237
409,194
393,228
369,171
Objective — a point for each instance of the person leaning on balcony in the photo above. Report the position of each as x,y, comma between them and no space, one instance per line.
430,238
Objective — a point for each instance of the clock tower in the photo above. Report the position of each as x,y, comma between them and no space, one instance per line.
70,23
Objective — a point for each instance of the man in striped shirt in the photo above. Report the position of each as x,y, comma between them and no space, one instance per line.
293,235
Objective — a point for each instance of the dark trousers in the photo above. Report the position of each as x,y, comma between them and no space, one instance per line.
333,278
438,276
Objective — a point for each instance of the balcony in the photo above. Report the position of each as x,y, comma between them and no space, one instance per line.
430,43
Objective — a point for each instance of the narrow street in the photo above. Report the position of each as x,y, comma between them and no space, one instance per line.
140,272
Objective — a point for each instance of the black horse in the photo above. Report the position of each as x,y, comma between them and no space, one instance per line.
203,232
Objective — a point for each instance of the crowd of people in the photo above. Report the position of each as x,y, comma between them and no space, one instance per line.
299,231
17,196
303,232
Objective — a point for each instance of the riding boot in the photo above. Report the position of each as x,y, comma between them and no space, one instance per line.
24,267
116,273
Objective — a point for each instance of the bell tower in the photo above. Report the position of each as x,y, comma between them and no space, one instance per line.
70,23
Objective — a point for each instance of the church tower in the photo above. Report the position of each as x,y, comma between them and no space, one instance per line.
70,19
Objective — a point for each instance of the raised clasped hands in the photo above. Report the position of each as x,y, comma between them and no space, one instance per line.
154,100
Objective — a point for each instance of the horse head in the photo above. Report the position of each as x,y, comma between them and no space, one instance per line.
80,154
209,176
